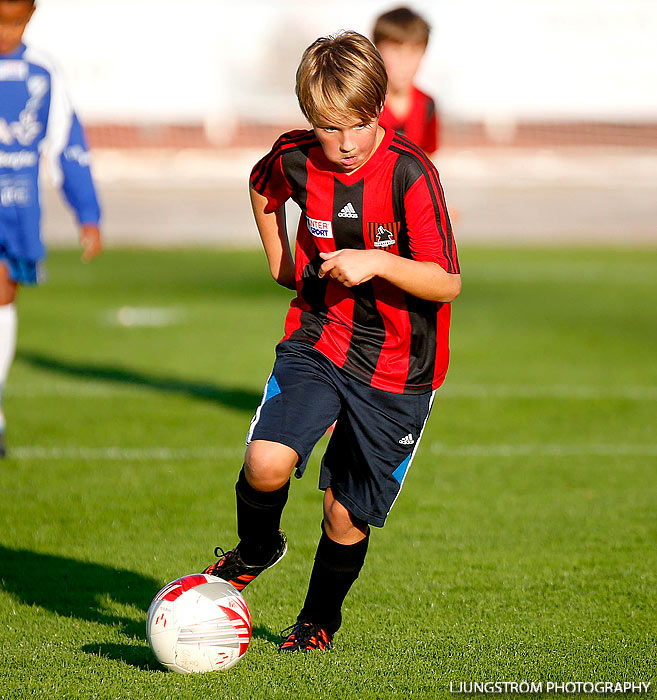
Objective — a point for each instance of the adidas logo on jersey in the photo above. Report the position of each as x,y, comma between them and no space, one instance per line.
407,440
348,212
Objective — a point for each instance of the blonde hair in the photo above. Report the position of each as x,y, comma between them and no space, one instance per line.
403,26
341,75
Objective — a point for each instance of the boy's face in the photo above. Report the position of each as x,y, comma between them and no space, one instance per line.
14,17
402,62
347,141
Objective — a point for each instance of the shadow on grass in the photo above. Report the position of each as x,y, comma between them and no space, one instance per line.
84,590
261,632
234,398
142,657
139,657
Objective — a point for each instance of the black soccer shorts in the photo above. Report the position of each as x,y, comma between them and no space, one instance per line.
375,438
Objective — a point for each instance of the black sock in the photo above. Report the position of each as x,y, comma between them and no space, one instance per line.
258,520
335,569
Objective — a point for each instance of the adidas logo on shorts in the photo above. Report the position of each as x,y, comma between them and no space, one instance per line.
348,212
407,440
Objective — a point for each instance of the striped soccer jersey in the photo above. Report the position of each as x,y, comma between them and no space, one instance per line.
421,125
375,332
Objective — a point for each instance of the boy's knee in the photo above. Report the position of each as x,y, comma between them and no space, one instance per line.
269,465
340,524
8,287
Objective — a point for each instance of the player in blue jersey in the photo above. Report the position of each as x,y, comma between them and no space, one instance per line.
36,119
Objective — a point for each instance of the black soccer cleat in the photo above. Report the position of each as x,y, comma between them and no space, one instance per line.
305,636
231,568
3,449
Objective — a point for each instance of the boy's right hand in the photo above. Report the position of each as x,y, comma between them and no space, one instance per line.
351,267
91,241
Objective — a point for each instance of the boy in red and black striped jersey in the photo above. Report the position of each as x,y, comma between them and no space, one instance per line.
401,36
366,336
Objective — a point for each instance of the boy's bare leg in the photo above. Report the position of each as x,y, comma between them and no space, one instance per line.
8,287
268,466
339,524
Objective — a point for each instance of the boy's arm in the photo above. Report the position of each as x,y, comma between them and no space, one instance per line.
65,148
422,279
431,272
272,228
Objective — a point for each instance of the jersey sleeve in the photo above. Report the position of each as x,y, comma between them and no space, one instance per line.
268,176
66,152
431,138
427,220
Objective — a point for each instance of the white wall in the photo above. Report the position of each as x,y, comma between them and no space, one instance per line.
215,60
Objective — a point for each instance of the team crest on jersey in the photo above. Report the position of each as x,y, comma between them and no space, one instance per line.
383,235
319,228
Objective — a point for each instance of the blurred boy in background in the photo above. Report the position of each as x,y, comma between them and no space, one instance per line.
401,36
35,117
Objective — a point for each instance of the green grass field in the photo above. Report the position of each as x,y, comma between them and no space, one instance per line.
523,546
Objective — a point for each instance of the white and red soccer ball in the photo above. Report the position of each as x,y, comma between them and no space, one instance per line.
198,623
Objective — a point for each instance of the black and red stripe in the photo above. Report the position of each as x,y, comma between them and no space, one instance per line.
375,332
405,147
287,142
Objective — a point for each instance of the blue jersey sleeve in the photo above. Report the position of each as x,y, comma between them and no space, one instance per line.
66,151
77,184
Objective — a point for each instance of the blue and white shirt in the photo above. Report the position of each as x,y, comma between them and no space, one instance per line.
36,118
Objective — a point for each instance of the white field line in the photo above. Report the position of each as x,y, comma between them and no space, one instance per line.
154,454
544,450
556,391
458,391
143,316
78,390
126,454
90,389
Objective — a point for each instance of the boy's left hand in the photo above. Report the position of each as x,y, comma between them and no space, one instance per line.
91,242
349,266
